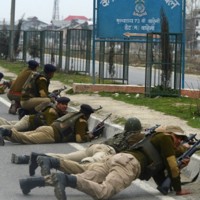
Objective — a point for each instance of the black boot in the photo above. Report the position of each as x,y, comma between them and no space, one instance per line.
4,133
28,184
24,159
46,163
13,107
33,162
60,181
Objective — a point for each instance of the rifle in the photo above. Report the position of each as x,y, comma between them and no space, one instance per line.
56,93
150,131
191,139
99,108
166,185
98,129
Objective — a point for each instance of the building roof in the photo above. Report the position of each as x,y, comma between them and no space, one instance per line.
73,17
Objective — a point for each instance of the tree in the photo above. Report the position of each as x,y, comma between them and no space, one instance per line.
166,52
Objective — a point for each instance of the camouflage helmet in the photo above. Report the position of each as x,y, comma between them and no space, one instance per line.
133,125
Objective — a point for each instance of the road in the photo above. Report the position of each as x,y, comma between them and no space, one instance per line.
10,174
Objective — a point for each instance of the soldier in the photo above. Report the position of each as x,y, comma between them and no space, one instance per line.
46,114
95,152
142,161
72,127
14,94
36,88
3,84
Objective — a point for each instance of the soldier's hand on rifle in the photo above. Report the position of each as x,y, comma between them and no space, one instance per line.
184,162
183,192
98,130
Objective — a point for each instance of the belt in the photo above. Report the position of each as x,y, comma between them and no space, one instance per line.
15,93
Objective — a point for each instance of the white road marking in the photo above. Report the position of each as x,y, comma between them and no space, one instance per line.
5,102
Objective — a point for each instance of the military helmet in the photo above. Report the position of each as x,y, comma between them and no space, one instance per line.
133,125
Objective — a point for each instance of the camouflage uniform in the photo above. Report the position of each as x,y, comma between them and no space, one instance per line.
96,152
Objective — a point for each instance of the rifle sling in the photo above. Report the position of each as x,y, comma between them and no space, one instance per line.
193,180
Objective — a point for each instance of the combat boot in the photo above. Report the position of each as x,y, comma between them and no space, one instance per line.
47,163
60,181
24,159
13,107
4,133
33,162
28,184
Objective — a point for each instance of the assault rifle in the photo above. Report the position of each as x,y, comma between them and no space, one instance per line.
166,185
191,139
56,93
99,108
98,129
150,131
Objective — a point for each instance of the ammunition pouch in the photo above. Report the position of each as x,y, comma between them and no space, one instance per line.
39,120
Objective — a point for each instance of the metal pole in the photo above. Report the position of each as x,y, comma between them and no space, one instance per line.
12,25
94,42
183,45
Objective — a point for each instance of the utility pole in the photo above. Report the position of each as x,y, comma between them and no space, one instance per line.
12,26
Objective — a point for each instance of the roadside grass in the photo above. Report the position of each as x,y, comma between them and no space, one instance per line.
182,107
185,108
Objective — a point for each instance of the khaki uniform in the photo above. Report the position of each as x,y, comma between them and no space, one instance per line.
15,90
51,134
97,152
31,122
5,123
40,94
94,153
96,179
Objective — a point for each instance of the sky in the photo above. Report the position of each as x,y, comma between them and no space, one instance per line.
43,9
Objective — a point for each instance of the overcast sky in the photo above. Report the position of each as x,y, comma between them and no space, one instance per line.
43,9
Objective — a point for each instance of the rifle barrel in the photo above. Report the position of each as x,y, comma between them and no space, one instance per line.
100,107
106,118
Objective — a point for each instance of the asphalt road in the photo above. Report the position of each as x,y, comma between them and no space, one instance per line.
11,173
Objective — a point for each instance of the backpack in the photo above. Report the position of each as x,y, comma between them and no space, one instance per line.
29,88
65,126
